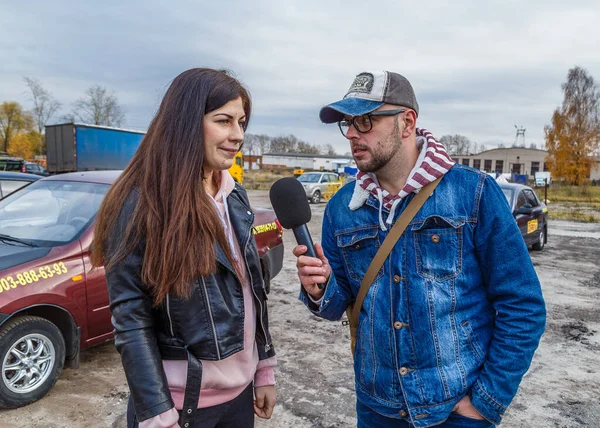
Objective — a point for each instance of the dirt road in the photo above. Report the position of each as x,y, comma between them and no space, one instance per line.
315,379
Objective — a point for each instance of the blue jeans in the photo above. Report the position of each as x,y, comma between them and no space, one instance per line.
368,418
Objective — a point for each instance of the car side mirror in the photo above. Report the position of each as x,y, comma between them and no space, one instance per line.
525,209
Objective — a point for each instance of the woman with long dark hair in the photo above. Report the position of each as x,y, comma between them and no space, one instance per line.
183,273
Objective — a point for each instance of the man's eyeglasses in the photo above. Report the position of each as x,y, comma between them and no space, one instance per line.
364,124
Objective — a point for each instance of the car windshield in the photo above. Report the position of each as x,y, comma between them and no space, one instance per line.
309,178
509,194
50,213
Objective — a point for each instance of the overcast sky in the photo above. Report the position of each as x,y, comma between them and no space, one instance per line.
478,68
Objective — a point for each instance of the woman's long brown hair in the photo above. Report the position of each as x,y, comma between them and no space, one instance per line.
174,215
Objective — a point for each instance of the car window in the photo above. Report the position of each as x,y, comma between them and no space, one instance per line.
13,166
531,199
509,194
521,200
50,212
9,186
309,178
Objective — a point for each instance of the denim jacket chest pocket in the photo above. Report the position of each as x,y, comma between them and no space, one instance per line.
438,245
358,248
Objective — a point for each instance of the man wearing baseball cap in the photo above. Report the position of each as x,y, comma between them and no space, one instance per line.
451,321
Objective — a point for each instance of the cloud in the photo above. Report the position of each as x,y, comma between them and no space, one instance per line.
478,68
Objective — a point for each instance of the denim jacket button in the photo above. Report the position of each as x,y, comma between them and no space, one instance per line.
403,413
398,325
403,371
397,278
435,239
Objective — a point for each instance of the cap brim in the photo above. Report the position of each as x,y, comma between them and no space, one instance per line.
335,112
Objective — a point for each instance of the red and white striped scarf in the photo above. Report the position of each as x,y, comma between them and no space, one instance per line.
435,162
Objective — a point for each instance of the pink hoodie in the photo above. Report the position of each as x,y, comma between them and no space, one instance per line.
225,379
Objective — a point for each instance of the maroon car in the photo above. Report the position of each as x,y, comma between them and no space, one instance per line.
52,304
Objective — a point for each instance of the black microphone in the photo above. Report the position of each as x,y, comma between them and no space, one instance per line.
290,204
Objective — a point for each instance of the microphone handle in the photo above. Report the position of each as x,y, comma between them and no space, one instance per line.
303,238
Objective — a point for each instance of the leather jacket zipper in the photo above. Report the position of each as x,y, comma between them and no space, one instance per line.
169,316
212,321
267,345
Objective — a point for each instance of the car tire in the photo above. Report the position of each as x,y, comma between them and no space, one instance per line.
316,197
42,349
539,246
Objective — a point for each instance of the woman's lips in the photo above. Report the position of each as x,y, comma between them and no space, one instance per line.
231,152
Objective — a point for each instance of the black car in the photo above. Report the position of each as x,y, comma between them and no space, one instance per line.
12,181
530,213
34,168
15,164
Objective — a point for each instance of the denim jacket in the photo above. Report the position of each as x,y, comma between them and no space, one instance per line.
456,309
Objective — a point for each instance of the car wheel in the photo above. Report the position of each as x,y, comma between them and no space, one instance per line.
539,246
32,353
316,197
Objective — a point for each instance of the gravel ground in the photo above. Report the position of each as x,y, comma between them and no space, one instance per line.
315,380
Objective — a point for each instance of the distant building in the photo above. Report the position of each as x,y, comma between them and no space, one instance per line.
252,161
515,160
511,160
305,161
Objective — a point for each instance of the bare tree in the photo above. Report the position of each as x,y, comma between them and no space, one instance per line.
457,144
250,144
330,150
533,146
44,104
99,107
249,147
304,147
264,142
284,144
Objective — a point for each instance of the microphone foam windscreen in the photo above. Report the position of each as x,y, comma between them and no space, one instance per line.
290,202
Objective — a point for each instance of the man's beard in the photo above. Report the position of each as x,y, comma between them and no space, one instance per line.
381,159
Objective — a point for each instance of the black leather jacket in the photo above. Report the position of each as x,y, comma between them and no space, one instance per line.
210,324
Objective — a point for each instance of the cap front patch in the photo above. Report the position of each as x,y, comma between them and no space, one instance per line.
363,83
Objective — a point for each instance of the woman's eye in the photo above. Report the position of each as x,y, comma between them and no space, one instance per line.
242,124
223,121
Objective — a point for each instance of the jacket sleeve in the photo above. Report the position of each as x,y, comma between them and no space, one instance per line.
514,291
131,308
338,293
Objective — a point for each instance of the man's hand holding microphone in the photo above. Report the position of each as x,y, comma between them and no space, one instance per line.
293,212
312,270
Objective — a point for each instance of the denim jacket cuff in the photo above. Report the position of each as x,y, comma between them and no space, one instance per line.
486,405
316,306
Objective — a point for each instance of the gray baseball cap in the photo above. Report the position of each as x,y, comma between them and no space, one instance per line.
368,92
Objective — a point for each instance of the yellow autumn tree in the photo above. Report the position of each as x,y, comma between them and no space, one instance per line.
25,145
574,134
13,121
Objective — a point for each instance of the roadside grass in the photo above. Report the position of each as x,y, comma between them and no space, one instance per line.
557,193
262,179
573,215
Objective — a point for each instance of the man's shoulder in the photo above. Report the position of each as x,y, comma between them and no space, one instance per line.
460,170
343,196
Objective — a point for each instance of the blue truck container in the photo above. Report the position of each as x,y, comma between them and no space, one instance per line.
79,147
